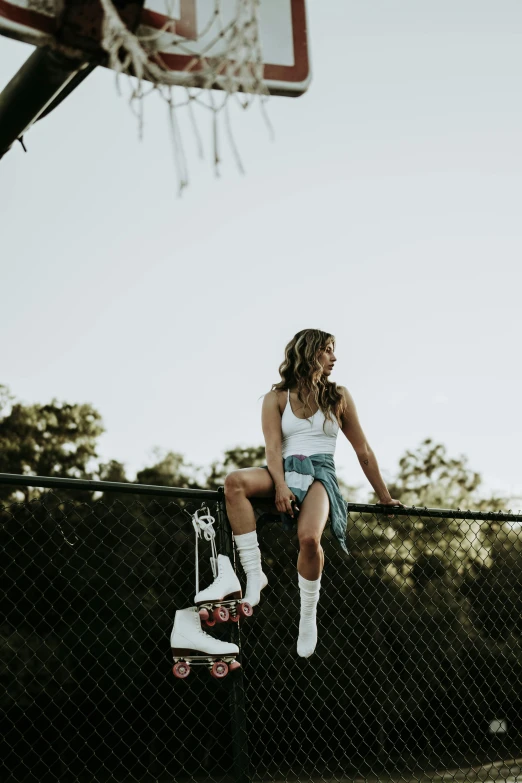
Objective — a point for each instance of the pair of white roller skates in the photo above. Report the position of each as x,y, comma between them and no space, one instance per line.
219,603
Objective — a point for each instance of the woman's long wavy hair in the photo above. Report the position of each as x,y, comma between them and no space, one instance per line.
301,368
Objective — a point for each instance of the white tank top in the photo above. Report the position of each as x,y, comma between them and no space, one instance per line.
307,436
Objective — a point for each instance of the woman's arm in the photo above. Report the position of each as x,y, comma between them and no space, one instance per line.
352,429
271,421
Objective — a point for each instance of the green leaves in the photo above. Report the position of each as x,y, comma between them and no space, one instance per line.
428,476
170,470
56,439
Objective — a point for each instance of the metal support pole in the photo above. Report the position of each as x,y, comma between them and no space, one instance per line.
235,682
36,85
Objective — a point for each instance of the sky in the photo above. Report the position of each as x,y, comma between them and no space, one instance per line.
385,210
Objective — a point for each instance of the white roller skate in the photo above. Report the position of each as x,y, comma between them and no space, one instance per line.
221,601
191,645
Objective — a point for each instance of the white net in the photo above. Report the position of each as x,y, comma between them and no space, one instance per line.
225,52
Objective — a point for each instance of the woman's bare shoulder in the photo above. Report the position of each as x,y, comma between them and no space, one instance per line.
347,399
275,398
348,405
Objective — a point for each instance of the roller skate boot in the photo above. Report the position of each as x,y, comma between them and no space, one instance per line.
190,645
221,601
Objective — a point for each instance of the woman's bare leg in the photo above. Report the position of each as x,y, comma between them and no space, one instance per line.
310,525
240,485
311,522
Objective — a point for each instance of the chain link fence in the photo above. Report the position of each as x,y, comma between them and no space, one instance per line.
418,668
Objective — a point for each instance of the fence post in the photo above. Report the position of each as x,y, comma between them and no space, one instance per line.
235,682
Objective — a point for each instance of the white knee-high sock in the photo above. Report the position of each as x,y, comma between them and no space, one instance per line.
309,590
250,556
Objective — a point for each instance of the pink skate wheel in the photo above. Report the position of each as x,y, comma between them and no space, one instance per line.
233,666
234,618
244,609
210,623
220,614
219,670
181,669
203,614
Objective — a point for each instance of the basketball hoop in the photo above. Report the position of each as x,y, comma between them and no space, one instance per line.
191,52
226,54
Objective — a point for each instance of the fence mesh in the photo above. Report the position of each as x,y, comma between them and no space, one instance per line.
419,661
418,667
90,593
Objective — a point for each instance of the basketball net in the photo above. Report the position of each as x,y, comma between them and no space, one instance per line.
238,71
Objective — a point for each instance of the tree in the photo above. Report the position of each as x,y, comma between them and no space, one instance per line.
170,470
112,471
55,439
415,550
429,477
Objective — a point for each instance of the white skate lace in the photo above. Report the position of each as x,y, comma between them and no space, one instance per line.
203,523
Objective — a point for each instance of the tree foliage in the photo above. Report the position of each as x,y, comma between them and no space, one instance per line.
414,550
170,470
55,439
429,477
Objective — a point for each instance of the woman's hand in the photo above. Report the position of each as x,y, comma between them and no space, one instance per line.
390,502
283,499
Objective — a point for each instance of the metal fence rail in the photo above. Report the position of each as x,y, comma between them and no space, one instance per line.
418,666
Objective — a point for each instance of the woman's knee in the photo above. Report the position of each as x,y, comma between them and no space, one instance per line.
234,485
310,543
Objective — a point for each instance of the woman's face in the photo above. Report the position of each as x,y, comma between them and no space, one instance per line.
327,359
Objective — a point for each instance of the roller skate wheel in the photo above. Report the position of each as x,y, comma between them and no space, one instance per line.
220,614
181,669
219,670
233,666
234,618
210,623
203,615
245,610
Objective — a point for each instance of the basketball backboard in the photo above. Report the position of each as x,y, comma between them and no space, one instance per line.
178,33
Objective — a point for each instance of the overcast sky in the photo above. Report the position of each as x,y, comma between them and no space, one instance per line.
387,210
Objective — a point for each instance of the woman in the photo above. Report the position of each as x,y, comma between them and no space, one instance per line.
301,417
